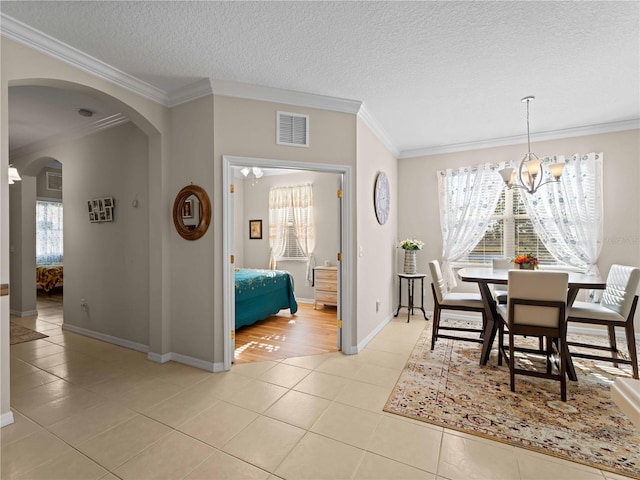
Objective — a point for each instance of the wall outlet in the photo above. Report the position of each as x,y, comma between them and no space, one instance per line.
377,305
83,304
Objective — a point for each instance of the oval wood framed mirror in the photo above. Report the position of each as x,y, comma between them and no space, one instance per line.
192,212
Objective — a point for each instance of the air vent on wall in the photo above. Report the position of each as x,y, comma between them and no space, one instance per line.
54,181
293,129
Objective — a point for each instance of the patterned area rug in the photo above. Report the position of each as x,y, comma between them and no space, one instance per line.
447,387
20,334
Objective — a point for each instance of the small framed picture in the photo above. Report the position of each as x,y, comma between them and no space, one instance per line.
187,209
108,202
92,217
255,229
108,215
90,206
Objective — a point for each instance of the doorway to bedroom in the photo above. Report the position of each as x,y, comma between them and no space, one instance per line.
249,239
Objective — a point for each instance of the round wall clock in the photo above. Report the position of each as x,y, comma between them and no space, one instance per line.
381,198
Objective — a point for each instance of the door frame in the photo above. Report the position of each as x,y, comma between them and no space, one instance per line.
344,227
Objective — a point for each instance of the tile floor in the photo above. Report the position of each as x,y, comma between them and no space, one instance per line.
86,409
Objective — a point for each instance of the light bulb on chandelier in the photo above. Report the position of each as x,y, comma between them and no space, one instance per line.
529,174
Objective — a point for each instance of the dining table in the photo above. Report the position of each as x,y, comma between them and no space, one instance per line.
486,276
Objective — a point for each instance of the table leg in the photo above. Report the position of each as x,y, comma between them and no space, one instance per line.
571,370
399,296
422,298
410,293
491,327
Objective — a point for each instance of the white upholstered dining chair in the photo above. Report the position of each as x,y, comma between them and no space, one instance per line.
616,309
445,300
536,307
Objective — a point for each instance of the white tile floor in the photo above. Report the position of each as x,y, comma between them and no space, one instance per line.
85,409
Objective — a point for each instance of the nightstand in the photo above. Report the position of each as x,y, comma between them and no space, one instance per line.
325,281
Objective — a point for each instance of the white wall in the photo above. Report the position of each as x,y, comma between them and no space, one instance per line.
105,264
420,217
247,128
192,262
21,65
376,244
255,253
22,196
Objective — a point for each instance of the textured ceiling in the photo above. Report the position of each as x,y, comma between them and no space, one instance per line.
431,73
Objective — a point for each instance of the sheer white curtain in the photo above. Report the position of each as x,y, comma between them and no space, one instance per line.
468,199
49,243
292,204
279,202
567,215
302,204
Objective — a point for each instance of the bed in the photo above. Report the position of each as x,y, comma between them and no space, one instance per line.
49,276
260,293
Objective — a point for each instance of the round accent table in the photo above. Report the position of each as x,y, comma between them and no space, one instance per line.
411,278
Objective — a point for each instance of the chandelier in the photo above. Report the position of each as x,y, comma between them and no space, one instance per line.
529,176
256,171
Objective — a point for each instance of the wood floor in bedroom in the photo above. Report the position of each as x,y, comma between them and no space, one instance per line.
310,331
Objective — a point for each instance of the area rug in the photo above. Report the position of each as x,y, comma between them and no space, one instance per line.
20,334
448,387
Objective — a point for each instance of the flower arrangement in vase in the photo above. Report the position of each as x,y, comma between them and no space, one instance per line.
526,262
410,247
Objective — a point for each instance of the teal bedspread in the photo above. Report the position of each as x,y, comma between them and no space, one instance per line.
260,293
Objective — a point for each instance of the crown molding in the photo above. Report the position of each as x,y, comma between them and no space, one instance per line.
520,139
26,35
198,89
96,126
377,129
290,97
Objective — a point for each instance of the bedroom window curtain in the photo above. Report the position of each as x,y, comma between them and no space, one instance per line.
279,201
291,213
468,197
567,215
49,239
302,205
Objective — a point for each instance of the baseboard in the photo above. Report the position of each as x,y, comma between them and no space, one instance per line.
28,313
156,357
6,419
186,360
624,393
305,300
358,348
106,338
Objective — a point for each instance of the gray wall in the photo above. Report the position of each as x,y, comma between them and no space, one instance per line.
105,264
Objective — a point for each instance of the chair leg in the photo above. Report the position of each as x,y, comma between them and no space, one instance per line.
512,363
631,345
563,352
612,344
549,352
436,324
500,341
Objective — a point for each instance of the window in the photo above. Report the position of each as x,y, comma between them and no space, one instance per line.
49,244
291,231
292,249
510,233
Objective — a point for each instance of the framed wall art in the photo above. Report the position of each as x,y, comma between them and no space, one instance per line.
255,229
101,209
